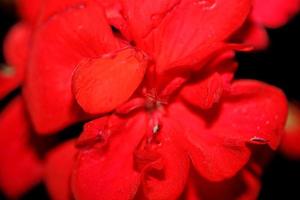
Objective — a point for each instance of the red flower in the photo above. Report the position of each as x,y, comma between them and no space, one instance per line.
152,152
81,32
169,120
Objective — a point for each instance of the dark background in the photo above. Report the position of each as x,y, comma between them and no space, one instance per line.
278,65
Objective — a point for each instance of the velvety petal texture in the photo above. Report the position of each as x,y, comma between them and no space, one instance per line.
20,167
102,84
60,44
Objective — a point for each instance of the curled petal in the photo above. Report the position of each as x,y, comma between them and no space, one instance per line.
100,172
252,110
206,90
204,93
59,45
165,177
20,167
263,107
102,84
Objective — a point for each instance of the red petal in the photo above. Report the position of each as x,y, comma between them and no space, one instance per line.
243,186
113,10
102,84
38,11
184,32
20,168
204,93
217,138
59,45
143,16
253,34
291,139
264,111
29,10
274,13
206,90
108,172
169,180
58,168
15,51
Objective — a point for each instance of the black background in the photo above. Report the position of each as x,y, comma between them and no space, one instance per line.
278,65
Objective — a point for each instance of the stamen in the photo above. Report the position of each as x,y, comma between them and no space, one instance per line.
155,129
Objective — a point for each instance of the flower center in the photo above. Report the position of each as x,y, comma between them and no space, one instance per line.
154,102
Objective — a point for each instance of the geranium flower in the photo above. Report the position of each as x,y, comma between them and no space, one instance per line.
155,161
157,78
81,31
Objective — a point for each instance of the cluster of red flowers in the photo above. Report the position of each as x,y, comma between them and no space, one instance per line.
153,80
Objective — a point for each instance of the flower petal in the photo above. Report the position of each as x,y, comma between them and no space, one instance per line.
204,93
274,13
206,90
29,10
180,33
169,180
59,45
102,84
107,172
217,139
253,34
264,111
291,139
244,186
58,169
20,167
15,52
